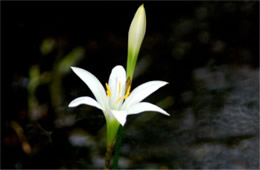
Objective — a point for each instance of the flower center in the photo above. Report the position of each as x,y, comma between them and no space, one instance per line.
126,94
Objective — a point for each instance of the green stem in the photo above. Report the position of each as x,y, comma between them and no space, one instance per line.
117,147
108,156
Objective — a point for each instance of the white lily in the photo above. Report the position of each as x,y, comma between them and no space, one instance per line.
116,101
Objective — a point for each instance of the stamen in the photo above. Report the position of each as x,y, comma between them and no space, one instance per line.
119,88
108,90
127,92
118,99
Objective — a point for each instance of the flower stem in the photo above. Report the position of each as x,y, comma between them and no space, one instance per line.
117,147
108,156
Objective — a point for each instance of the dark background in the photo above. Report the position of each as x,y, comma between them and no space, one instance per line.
207,51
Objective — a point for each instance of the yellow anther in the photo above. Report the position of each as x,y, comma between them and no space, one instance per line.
127,92
118,99
119,87
108,90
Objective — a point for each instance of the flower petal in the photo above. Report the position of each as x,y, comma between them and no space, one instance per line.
117,80
120,116
85,100
143,107
142,91
93,83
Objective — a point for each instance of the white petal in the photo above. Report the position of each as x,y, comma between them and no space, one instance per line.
85,100
143,107
93,83
117,76
142,91
120,116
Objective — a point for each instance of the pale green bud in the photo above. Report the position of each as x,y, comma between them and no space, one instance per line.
135,38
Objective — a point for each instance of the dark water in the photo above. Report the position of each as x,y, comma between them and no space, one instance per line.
207,51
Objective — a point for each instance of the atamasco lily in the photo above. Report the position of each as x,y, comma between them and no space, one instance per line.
116,101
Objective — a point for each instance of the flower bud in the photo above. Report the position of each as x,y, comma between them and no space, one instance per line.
135,38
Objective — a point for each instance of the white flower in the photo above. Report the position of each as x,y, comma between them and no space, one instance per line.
117,102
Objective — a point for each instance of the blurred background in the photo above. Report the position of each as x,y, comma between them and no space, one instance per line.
207,51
